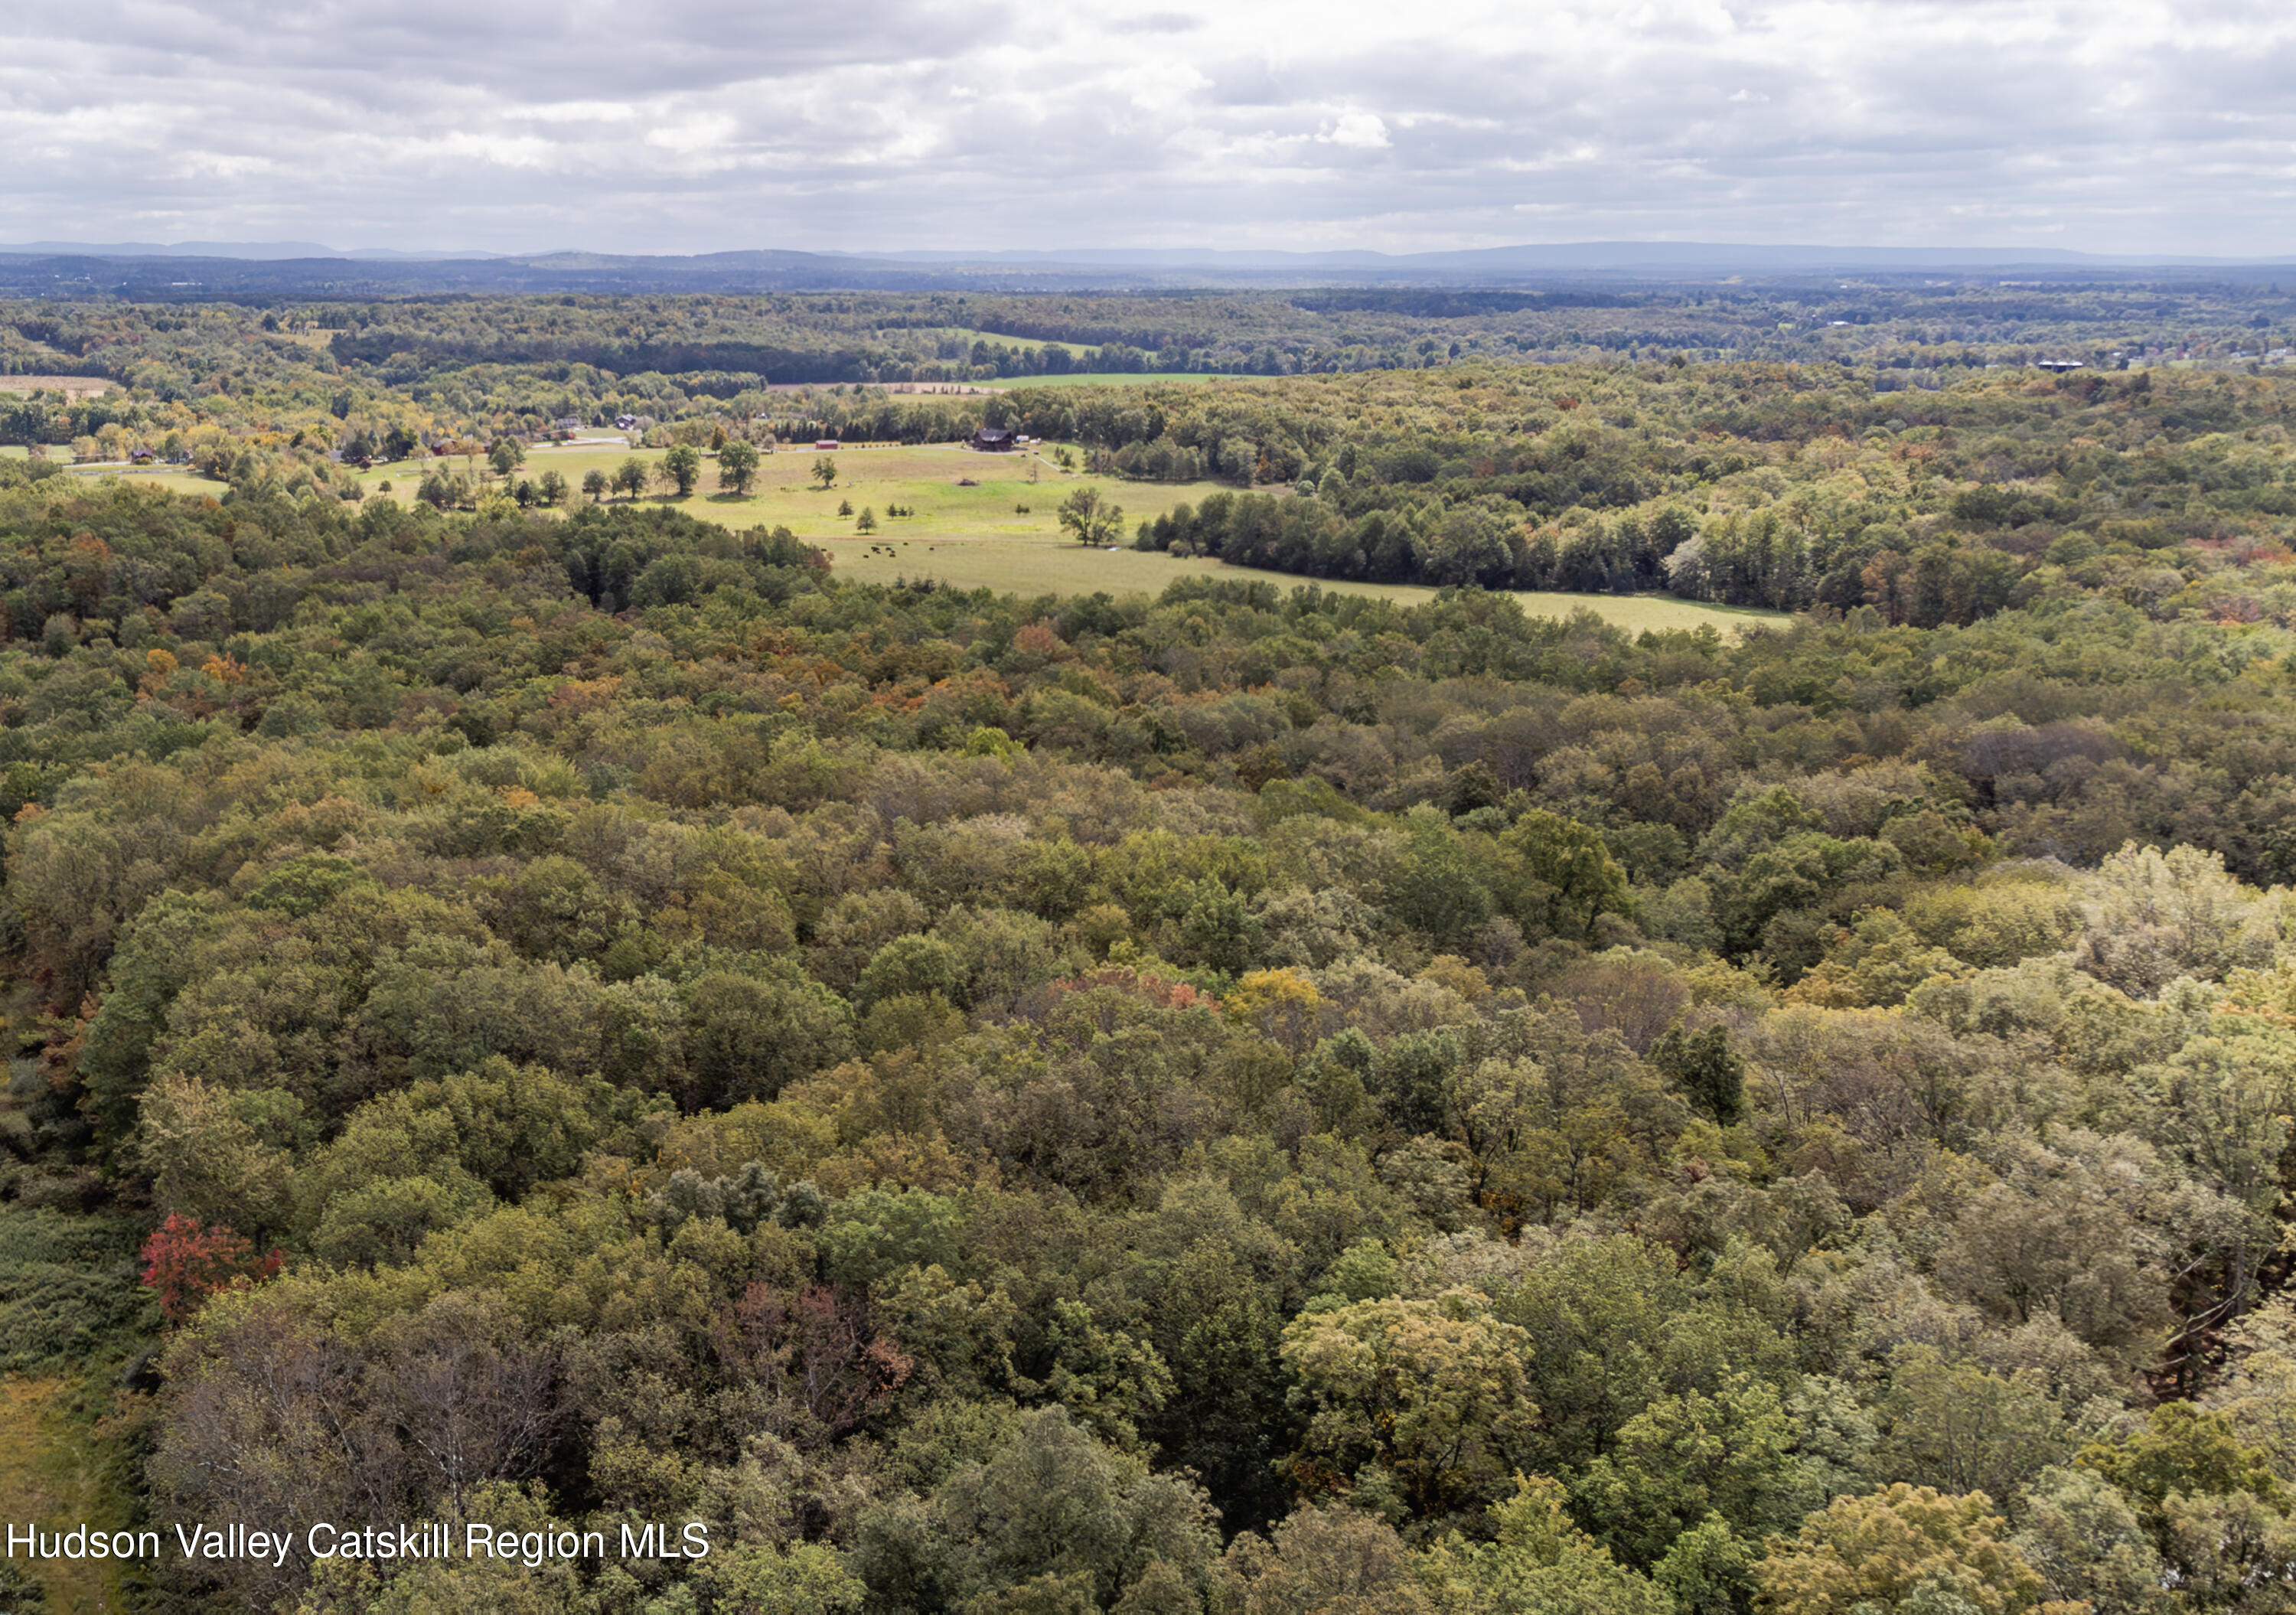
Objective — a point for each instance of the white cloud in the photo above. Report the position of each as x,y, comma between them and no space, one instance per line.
695,125
1361,130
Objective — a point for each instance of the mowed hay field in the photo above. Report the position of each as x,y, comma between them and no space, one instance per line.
1039,566
926,479
72,387
979,537
1107,378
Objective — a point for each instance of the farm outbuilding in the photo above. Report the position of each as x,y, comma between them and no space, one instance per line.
994,440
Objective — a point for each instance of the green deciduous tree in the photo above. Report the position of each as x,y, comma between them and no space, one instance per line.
737,466
1050,1519
1089,519
1905,1547
682,467
1424,1401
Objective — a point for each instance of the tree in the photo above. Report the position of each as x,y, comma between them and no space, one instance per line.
596,483
800,1578
1707,1069
186,1263
749,1034
1541,1564
1424,1401
2184,1450
1470,547
1884,1551
1331,1557
1691,1457
204,1156
2154,916
552,487
506,456
683,466
2086,1541
630,477
1577,879
825,471
866,522
1085,515
1048,1520
737,466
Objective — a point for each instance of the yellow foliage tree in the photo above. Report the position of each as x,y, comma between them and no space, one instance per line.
1875,1552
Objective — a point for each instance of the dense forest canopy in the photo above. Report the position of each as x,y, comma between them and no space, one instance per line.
1246,1101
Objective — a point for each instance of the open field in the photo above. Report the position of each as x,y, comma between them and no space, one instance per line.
979,538
1102,378
71,387
969,389
47,1477
1057,567
965,333
924,479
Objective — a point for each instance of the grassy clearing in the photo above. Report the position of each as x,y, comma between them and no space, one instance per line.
52,1474
1104,378
979,537
175,480
968,335
1057,567
925,480
71,387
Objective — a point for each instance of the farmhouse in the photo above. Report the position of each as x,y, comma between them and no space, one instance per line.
994,440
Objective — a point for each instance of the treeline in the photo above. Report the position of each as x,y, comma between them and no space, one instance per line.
1219,1104
1781,486
472,366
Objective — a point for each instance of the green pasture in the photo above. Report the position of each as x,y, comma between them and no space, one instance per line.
175,480
1022,566
1102,378
979,537
923,478
969,335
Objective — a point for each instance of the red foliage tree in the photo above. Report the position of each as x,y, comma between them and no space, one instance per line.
813,1351
186,1263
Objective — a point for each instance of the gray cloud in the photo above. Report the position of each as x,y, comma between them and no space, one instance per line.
695,125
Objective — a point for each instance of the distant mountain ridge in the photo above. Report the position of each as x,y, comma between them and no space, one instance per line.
308,269
247,251
1593,255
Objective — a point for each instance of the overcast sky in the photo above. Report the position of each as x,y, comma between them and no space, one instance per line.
677,126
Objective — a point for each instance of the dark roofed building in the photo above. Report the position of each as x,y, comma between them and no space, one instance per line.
994,440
